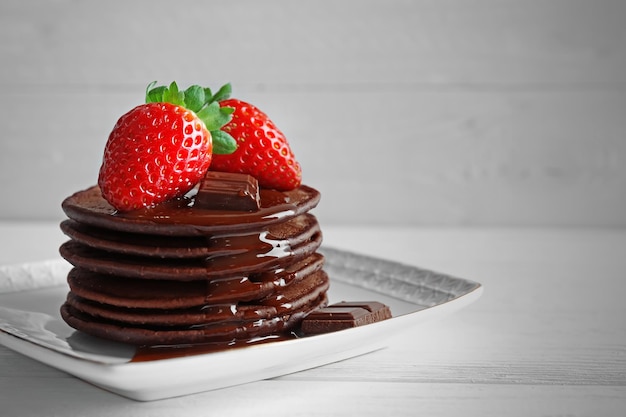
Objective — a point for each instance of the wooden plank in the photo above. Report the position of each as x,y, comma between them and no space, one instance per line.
57,394
314,43
466,158
505,112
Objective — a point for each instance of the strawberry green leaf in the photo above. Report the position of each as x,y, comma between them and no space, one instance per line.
228,111
208,95
173,95
206,106
149,87
155,95
214,116
223,93
194,98
223,142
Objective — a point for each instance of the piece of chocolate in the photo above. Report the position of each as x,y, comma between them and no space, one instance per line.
228,191
344,315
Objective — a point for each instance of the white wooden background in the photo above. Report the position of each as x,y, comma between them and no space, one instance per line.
441,112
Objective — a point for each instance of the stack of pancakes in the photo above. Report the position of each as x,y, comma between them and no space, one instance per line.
179,274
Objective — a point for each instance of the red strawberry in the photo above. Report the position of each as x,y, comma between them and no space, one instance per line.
262,149
160,150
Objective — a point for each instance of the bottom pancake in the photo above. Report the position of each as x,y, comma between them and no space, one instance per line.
274,315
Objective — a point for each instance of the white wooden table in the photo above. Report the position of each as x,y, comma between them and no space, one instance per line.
548,337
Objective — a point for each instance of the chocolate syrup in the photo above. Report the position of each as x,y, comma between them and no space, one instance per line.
259,251
159,352
178,217
336,317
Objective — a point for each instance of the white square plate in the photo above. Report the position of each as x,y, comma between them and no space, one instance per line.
30,323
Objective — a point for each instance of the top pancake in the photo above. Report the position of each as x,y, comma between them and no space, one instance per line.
179,218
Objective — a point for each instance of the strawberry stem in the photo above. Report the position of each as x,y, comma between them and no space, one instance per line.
204,104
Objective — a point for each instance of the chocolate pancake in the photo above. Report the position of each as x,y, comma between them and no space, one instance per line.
290,233
179,218
282,244
211,323
175,294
